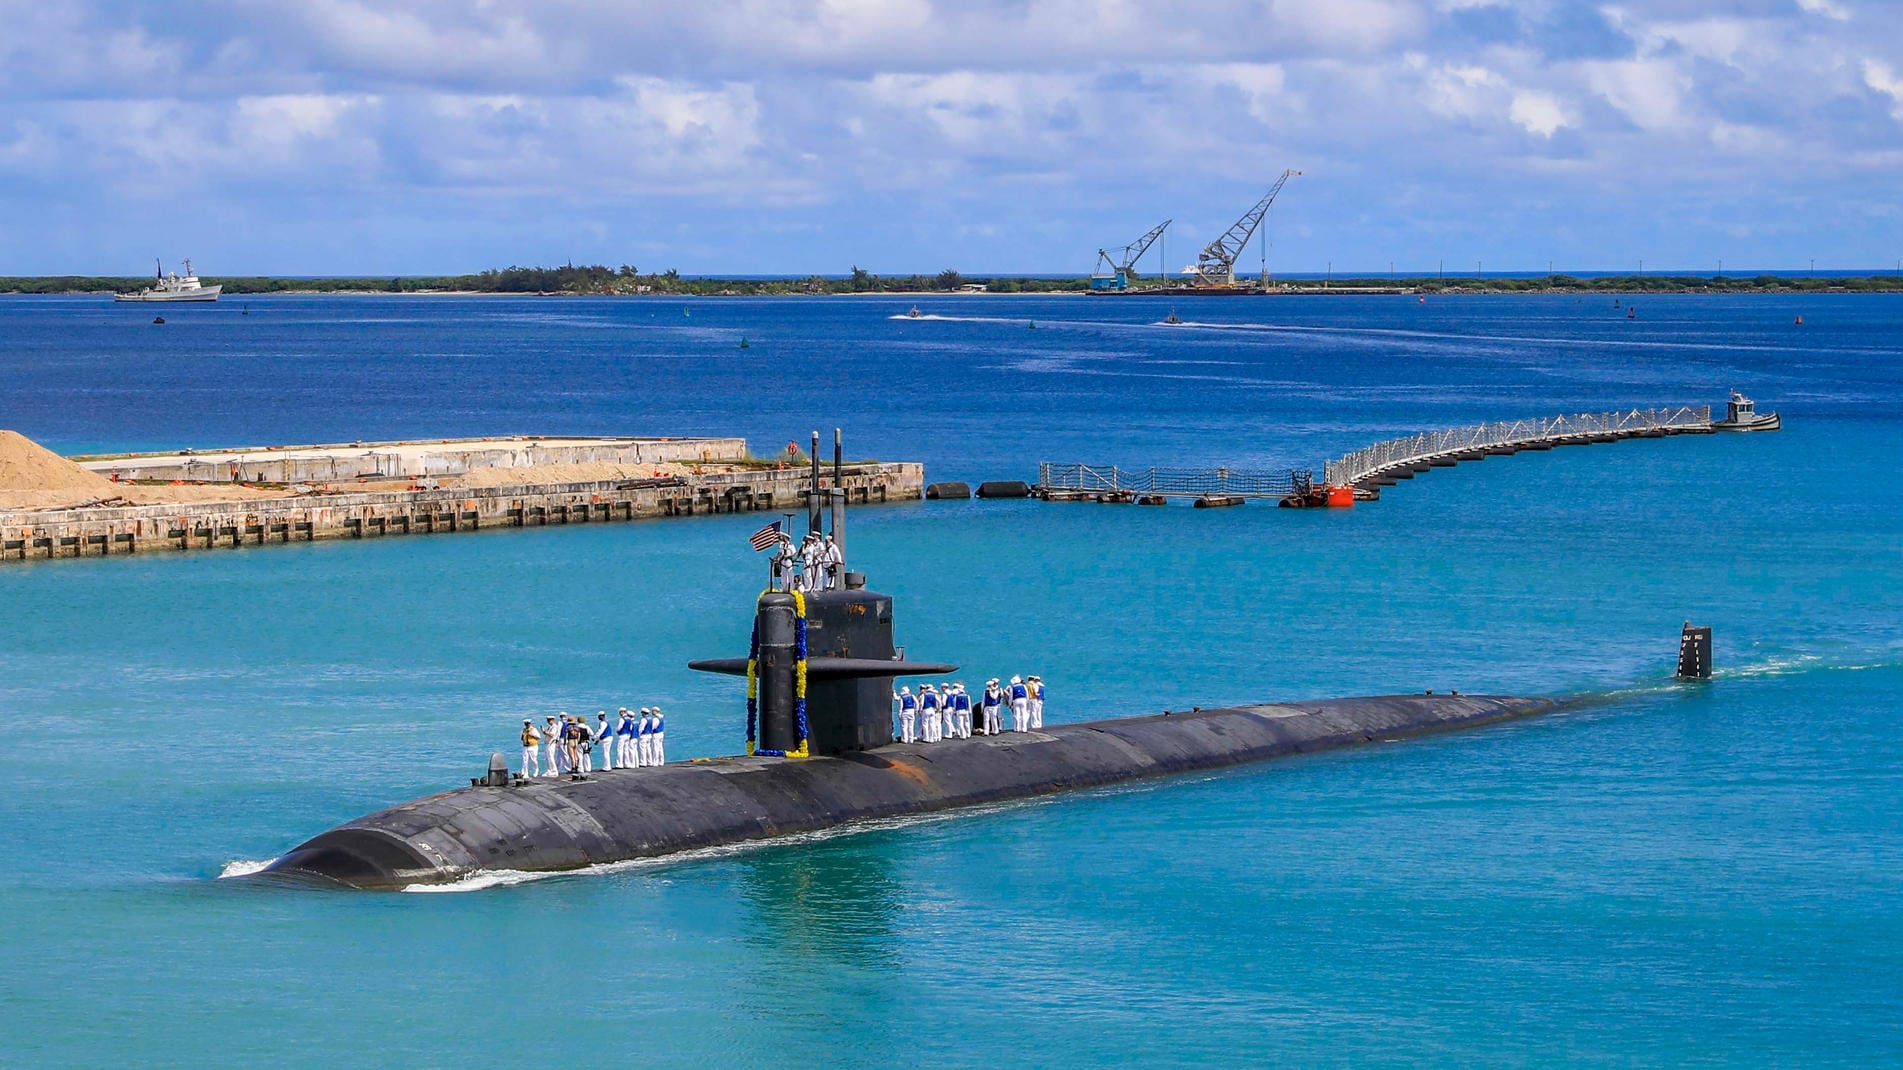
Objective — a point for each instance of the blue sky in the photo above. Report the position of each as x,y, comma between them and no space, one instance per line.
338,137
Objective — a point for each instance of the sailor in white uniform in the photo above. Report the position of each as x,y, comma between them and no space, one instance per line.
531,749
657,753
643,724
786,561
1020,705
832,559
624,740
961,707
552,737
929,727
605,741
811,565
908,715
1037,703
991,703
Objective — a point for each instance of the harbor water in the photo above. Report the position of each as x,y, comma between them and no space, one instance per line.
1662,874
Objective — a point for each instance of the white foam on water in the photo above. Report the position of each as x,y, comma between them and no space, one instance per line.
243,867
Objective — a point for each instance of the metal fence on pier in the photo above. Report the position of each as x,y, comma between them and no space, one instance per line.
1172,482
1555,430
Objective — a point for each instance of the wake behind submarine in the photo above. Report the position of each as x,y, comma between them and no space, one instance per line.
820,754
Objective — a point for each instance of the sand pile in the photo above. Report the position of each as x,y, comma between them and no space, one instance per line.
34,477
25,465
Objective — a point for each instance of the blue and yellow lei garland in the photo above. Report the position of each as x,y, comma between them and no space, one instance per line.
799,680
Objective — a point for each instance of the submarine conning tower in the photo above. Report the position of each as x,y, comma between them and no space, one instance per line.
822,658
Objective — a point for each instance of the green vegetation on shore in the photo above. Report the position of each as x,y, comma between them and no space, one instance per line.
628,281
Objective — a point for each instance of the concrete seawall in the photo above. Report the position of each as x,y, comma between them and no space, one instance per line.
558,824
110,530
337,463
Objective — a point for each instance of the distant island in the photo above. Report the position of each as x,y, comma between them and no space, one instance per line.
626,280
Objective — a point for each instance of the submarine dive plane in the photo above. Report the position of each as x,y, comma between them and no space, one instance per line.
820,753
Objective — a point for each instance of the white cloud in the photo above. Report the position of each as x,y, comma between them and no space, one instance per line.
1826,8
1882,78
1537,113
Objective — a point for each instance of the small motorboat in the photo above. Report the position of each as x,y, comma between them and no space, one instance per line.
158,319
914,314
1172,319
1741,414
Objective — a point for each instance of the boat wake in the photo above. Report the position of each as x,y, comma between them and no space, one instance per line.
243,867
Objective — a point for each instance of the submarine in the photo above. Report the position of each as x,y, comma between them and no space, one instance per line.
820,754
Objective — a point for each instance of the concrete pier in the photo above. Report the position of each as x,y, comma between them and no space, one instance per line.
108,529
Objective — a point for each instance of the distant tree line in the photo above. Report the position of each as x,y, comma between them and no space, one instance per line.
629,280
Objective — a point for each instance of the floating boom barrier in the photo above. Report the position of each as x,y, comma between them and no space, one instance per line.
1361,474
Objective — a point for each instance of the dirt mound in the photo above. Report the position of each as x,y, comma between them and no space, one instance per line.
25,465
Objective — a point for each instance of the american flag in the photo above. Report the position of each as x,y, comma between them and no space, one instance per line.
766,536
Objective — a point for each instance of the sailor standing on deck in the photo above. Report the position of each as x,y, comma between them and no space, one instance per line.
832,560
1020,705
785,560
1037,703
929,728
552,737
624,740
572,730
658,755
961,711
908,715
644,738
605,740
990,704
531,749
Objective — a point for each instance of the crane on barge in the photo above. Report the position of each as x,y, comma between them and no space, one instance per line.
1123,268
1216,264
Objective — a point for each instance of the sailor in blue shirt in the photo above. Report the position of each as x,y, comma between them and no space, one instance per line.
961,707
1020,705
929,727
657,752
624,740
605,740
908,715
990,703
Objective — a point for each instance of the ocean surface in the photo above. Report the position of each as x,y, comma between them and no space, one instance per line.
1666,875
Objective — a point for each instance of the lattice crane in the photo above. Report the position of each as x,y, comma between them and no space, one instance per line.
1123,268
1216,264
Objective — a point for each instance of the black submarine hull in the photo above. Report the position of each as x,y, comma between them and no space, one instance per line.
559,824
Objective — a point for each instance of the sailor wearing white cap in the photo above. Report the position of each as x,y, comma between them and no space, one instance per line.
605,740
928,709
908,715
552,737
1020,705
657,753
531,749
1037,703
961,706
624,740
991,703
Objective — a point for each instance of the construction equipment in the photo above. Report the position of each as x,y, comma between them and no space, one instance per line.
1216,264
1123,268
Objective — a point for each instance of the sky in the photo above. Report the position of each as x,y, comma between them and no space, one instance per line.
336,137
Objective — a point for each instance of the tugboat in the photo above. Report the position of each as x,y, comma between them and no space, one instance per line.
174,287
1741,414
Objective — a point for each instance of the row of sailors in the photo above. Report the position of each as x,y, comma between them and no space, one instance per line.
631,741
814,566
932,715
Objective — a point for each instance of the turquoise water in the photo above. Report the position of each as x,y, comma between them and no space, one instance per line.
1666,874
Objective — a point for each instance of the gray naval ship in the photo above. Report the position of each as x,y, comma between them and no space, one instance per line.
821,754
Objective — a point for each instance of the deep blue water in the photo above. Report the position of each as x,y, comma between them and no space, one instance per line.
1668,874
